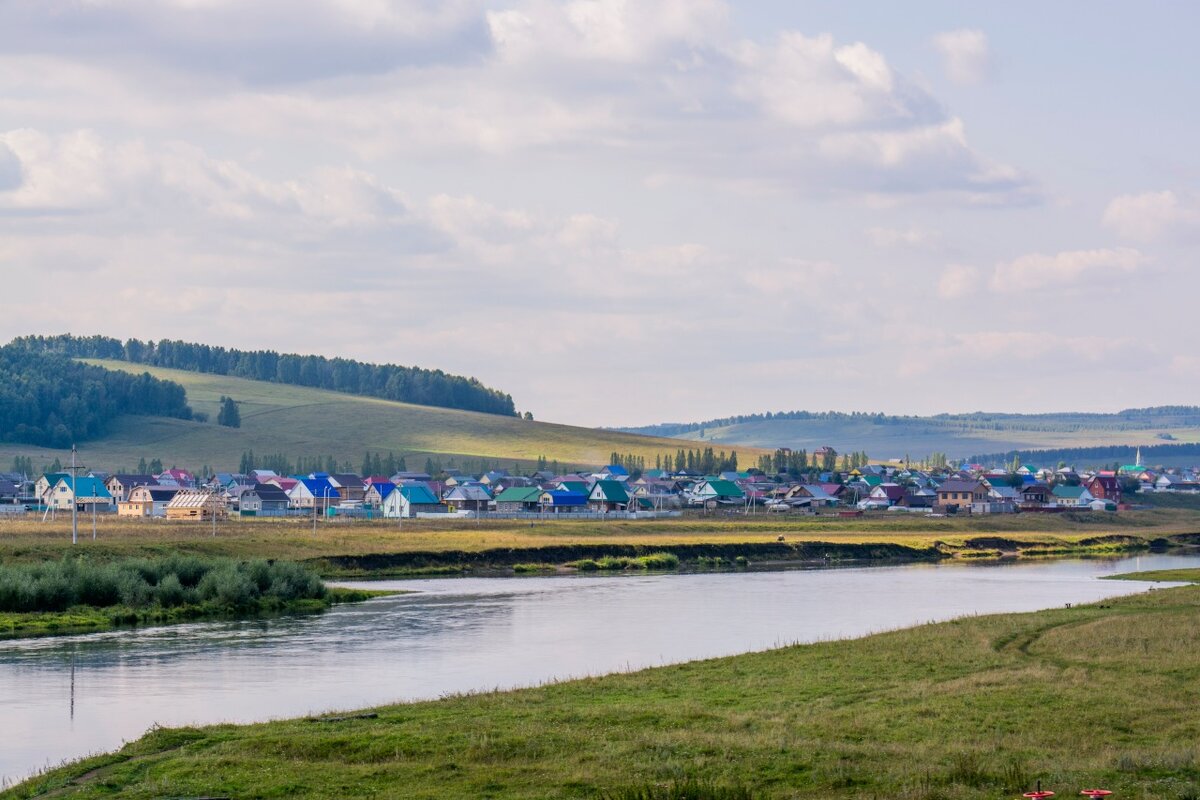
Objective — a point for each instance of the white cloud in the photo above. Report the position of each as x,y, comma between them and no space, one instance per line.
604,30
1152,216
1037,271
909,238
966,56
958,280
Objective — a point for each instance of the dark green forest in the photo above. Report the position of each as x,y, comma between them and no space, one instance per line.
51,400
387,381
1091,456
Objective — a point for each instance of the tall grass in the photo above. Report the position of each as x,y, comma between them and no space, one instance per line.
140,583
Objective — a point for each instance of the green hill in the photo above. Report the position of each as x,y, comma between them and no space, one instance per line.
957,435
302,422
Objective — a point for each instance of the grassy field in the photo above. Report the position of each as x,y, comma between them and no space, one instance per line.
297,421
1097,695
343,547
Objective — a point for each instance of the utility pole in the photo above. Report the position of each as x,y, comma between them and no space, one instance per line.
93,510
74,506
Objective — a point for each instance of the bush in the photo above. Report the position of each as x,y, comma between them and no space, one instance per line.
141,583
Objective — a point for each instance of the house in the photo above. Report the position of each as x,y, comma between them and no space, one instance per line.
1035,495
823,458
262,475
263,500
885,495
9,491
559,502
469,497
401,477
578,486
310,493
283,482
1104,487
376,492
80,492
608,495
147,501
489,478
349,486
958,494
41,489
177,477
720,491
1004,494
814,493
119,486
511,482
1071,496
411,499
1175,483
518,498
197,504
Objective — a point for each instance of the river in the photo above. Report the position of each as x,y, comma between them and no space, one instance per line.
63,698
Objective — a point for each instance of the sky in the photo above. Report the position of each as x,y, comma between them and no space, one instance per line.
622,213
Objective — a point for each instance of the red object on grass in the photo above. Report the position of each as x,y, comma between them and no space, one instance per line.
1096,793
1038,795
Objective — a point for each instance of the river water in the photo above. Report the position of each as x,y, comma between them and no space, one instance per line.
62,698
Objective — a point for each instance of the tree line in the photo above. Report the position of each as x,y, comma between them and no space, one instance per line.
1126,419
50,400
386,381
1089,456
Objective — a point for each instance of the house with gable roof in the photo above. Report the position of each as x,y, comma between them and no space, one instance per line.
608,495
81,492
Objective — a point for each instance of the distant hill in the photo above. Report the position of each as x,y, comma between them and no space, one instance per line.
957,435
299,422
430,387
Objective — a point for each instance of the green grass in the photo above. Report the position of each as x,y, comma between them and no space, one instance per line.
351,549
1162,575
977,708
76,594
298,421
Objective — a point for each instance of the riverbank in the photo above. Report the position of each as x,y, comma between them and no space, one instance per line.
81,595
87,619
976,708
345,549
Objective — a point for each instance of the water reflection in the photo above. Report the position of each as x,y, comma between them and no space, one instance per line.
66,697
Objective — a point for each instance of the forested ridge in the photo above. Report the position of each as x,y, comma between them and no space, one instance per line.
1090,456
51,400
385,381
1126,419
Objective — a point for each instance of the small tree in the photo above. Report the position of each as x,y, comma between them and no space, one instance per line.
229,416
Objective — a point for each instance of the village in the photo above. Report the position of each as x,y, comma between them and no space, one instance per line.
614,491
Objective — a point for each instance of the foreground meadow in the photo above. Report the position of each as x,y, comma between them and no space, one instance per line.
976,708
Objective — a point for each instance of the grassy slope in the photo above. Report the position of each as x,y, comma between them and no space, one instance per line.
29,540
977,708
922,437
297,421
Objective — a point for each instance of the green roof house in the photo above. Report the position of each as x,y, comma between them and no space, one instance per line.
518,498
720,490
608,496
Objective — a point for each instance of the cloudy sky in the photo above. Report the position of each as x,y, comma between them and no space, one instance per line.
622,212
